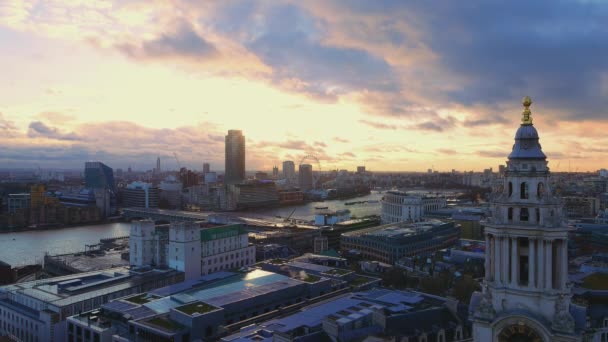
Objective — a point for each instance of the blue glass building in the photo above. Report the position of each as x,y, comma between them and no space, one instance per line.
98,175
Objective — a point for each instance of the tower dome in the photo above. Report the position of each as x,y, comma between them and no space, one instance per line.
526,139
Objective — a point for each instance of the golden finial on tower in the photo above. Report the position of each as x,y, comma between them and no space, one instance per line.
526,119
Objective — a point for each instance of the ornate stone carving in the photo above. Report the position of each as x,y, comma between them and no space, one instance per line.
563,320
485,310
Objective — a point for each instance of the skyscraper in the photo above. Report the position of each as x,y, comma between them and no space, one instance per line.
158,164
235,157
526,296
98,175
306,177
206,168
289,169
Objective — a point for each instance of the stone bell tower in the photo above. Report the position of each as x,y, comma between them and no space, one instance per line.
525,293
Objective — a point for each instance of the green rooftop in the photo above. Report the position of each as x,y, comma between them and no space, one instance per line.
141,298
165,323
309,278
196,308
337,271
222,232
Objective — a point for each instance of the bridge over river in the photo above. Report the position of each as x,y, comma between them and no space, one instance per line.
249,219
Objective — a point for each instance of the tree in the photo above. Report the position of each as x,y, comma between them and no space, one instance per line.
464,288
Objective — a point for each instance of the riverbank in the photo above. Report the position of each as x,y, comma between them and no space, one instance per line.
56,227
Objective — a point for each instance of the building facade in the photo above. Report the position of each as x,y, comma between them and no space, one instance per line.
306,178
398,206
190,248
525,295
235,157
141,195
98,175
389,243
37,310
289,170
251,194
225,248
18,202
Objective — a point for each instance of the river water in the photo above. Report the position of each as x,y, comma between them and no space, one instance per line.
23,248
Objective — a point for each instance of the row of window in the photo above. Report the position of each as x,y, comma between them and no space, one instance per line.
78,334
524,191
23,329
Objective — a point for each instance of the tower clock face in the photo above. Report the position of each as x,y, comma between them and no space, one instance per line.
519,333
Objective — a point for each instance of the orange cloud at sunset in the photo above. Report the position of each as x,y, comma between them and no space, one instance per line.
393,86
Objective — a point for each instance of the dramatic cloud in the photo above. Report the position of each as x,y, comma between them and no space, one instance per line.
183,42
38,129
386,72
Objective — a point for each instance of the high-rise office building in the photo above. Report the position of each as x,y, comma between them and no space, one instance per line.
275,172
98,175
158,164
206,168
306,181
235,157
289,169
140,194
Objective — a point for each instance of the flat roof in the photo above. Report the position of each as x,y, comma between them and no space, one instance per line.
342,310
223,291
66,290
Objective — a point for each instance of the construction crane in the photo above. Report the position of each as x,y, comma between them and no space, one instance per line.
179,166
288,218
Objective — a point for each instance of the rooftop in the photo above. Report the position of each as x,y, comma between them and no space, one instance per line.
215,290
400,229
66,290
342,310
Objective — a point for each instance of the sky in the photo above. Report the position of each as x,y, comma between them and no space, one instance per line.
392,85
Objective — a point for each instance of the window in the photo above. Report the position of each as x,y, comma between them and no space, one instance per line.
540,190
510,189
510,214
523,214
523,191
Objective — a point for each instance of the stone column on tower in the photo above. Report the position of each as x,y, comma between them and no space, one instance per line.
514,262
549,264
496,243
488,259
531,263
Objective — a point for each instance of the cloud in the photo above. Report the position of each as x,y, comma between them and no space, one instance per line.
290,42
296,145
557,56
493,120
438,124
7,127
341,140
493,154
38,129
347,155
56,117
447,151
320,144
379,125
183,41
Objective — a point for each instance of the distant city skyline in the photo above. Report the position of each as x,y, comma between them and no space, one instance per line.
394,86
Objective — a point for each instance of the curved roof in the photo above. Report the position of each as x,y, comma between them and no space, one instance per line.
526,144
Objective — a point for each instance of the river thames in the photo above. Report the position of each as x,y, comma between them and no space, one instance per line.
29,247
